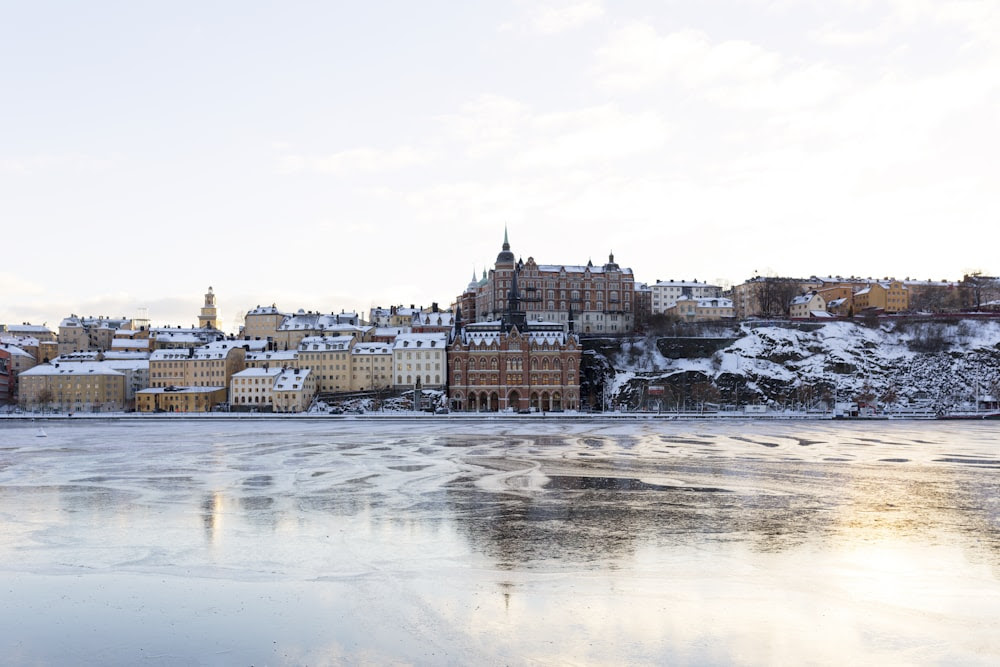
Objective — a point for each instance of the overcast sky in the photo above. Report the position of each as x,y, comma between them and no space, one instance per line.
339,155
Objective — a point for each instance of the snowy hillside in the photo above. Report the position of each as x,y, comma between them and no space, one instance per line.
938,364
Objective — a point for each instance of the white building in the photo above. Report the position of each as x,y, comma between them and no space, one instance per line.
666,292
420,356
253,388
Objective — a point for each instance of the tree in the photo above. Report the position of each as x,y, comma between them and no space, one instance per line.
774,295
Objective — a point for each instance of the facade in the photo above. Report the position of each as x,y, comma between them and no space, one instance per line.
433,321
493,367
643,304
665,293
263,322
17,361
167,338
36,331
691,309
73,387
211,365
304,324
208,318
294,390
269,358
804,305
595,299
420,357
7,376
890,296
371,366
253,388
180,399
79,334
329,359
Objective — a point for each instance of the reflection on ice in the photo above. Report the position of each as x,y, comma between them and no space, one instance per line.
288,543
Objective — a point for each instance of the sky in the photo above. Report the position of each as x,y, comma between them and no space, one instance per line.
335,156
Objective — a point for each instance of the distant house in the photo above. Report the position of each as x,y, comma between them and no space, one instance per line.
803,305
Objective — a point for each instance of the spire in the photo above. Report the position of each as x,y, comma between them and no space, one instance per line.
506,243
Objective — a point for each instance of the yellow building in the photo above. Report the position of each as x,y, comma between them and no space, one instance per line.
81,334
179,399
72,387
208,318
263,322
804,305
211,365
329,359
890,296
371,366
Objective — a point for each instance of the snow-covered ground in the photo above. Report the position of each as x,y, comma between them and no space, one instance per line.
944,365
298,542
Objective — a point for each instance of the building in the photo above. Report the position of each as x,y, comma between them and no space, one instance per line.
420,357
18,360
804,305
371,366
180,399
37,331
208,318
167,338
263,322
79,334
73,387
691,309
253,388
665,293
493,367
596,299
7,377
433,321
294,390
889,296
643,304
305,324
329,359
211,365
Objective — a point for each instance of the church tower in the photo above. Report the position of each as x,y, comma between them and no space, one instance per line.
209,317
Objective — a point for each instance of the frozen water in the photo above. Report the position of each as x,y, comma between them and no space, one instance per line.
297,542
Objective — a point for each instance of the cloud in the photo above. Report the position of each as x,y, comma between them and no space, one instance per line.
67,162
500,128
364,160
733,73
552,18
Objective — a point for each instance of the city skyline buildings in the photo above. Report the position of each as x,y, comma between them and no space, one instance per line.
329,157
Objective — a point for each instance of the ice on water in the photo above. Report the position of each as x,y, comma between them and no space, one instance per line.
499,542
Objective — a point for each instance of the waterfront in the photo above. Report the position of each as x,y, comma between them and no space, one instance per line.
295,542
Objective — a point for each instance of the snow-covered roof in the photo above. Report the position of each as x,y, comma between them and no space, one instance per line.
258,373
265,310
317,343
15,351
572,268
129,343
141,364
819,314
87,368
292,380
420,340
372,348
303,321
28,329
683,283
20,341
